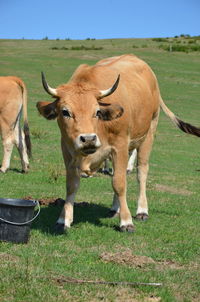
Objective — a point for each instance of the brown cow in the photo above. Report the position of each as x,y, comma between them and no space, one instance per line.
92,128
13,100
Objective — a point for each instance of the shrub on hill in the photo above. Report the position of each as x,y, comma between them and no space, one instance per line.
80,47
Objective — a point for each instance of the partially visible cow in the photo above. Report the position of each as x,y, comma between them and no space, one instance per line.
106,167
96,122
13,100
131,161
107,170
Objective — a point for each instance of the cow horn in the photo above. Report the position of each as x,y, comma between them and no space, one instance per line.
104,93
47,88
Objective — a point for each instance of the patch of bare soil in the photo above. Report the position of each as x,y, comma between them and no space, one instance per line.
168,264
127,258
8,258
47,201
173,190
50,201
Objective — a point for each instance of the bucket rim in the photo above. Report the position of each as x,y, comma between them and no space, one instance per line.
18,202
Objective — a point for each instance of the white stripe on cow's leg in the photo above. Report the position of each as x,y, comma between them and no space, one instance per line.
21,146
142,169
120,160
131,161
7,151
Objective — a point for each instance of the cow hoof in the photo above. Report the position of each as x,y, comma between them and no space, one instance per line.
1,171
142,216
84,175
128,172
106,172
59,229
113,214
127,228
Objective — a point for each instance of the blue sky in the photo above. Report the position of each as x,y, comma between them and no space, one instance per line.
76,19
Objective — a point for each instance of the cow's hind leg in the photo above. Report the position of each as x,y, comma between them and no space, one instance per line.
120,160
144,151
114,210
7,151
19,139
131,161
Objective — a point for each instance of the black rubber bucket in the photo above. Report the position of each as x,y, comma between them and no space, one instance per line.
16,216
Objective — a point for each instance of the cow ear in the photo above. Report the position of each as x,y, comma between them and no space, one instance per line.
110,112
47,109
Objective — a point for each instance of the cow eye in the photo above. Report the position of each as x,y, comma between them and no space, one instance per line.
98,113
66,113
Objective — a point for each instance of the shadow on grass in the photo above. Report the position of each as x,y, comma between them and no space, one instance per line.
15,170
83,212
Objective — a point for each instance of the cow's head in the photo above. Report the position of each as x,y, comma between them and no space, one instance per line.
78,109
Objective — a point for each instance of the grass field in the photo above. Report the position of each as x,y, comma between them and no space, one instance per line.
165,249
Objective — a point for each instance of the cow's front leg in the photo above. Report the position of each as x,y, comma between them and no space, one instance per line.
66,217
120,159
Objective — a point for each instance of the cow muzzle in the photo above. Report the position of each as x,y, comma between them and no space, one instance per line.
87,143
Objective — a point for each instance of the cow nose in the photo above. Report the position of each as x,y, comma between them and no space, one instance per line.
87,143
88,138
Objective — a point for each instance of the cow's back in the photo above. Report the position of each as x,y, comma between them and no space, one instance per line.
136,76
137,93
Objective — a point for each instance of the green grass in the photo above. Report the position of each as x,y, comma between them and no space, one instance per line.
170,238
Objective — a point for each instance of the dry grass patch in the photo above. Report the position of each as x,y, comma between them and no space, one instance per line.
127,258
168,264
172,190
7,258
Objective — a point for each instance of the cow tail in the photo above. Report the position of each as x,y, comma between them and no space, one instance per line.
26,126
185,127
